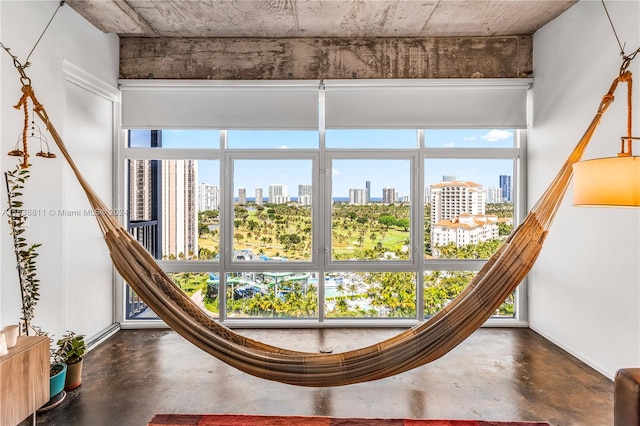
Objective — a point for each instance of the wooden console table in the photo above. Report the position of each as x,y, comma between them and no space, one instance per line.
24,379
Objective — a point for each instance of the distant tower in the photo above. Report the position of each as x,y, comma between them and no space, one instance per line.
368,187
242,196
448,178
208,196
358,196
389,196
493,195
278,194
304,194
505,187
179,209
259,198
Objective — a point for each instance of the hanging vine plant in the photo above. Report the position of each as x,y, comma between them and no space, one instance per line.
26,254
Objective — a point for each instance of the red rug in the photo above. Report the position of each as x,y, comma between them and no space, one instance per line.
247,420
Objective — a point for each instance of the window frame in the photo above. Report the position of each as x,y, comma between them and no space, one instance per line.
321,261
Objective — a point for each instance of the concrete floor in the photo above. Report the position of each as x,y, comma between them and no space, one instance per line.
496,374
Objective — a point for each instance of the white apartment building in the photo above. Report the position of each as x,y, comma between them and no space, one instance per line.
304,194
389,195
259,200
358,196
464,229
493,195
278,194
242,196
208,197
450,199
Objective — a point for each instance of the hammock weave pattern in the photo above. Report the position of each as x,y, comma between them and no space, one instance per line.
414,347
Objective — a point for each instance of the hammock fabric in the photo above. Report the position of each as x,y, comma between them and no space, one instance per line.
414,347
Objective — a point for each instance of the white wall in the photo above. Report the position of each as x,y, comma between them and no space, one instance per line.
73,265
584,292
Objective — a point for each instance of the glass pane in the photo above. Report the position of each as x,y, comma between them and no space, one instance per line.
187,139
272,295
370,295
371,139
468,207
135,307
273,224
273,139
370,210
469,138
441,287
201,287
171,215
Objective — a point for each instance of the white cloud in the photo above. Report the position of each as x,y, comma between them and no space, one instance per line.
449,144
335,172
496,135
284,147
469,138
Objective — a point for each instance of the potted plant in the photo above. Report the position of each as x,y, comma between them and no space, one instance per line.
25,253
71,350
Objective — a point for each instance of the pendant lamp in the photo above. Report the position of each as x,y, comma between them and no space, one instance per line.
611,181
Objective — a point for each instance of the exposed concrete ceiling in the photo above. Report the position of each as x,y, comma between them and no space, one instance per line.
312,39
319,18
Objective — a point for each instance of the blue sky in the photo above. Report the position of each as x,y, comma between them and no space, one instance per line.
347,173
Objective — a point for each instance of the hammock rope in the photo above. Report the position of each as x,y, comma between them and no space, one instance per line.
412,348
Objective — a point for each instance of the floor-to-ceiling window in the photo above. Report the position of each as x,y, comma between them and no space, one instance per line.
344,221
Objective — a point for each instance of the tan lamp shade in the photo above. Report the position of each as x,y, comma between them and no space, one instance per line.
607,182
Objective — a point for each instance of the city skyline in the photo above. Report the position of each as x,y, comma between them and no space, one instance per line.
349,173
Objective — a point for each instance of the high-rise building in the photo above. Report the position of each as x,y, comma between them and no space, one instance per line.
304,194
367,185
140,187
458,215
448,178
179,213
259,200
278,194
358,196
450,199
505,187
208,197
242,196
493,195
389,195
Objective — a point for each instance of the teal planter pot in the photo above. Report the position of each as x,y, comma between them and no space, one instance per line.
56,382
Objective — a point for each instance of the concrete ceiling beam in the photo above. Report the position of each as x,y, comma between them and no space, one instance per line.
325,58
